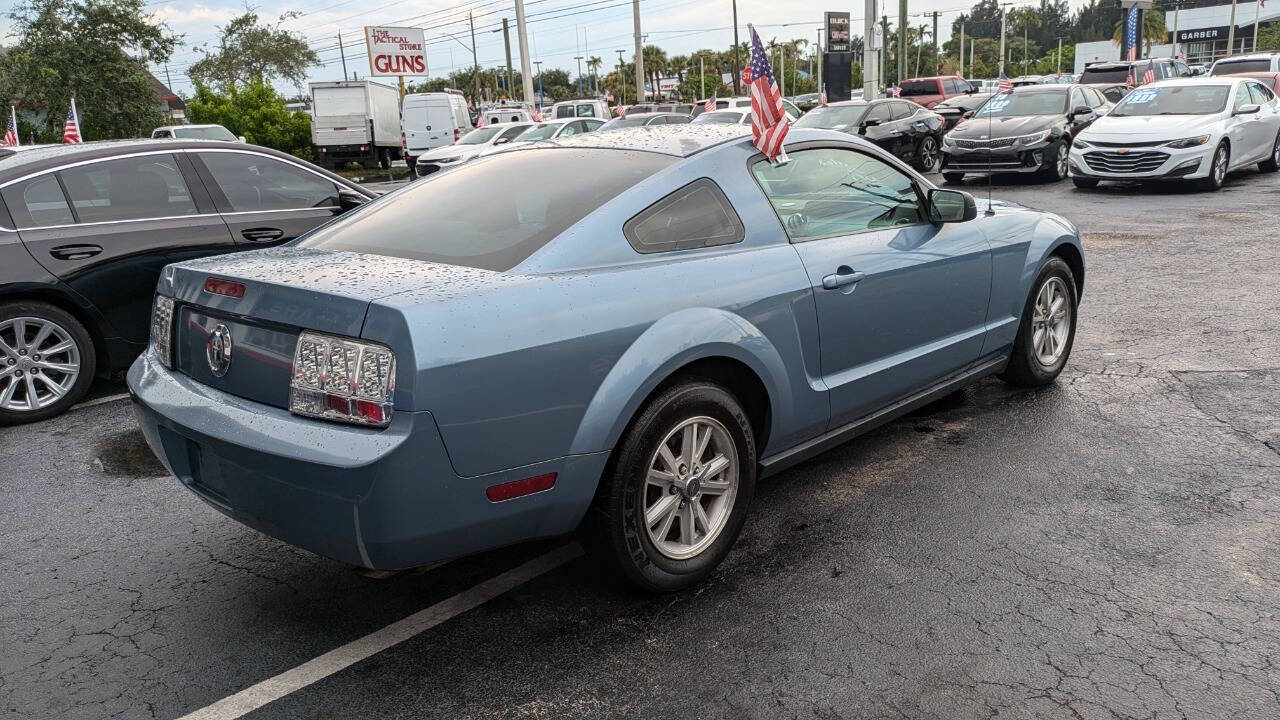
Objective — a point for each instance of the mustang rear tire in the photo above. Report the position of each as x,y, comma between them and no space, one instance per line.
675,496
1047,329
46,361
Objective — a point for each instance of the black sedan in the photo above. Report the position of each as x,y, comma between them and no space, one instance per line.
86,229
957,109
1027,130
903,128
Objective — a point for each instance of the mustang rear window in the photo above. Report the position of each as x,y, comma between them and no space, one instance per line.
492,213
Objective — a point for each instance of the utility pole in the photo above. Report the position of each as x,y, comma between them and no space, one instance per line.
635,19
962,48
343,53
902,40
936,60
526,74
622,82
737,64
1059,56
919,50
475,72
1256,5
702,75
820,57
1176,7
540,100
870,52
1002,7
1024,47
1231,30
506,41
579,59
782,65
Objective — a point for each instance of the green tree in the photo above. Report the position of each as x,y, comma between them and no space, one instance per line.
250,52
1153,30
257,112
1269,38
91,50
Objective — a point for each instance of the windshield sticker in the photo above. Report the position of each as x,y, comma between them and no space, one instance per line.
1142,96
995,105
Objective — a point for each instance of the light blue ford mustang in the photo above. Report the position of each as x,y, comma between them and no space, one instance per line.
618,333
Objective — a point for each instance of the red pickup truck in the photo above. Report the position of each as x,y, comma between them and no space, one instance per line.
929,91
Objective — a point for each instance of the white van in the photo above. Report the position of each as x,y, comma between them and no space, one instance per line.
578,109
505,114
432,120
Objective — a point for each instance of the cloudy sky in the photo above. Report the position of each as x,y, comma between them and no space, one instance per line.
559,29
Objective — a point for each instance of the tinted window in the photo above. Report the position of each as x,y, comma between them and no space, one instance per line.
493,231
162,134
1117,74
592,124
720,118
206,133
1115,93
678,120
564,111
790,107
1094,98
829,191
632,121
586,111
845,118
479,136
695,216
149,186
1077,99
1242,98
571,128
254,183
903,110
512,133
916,88
37,203
878,112
1229,67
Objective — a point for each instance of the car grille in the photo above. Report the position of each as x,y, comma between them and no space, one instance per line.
996,143
1114,162
981,161
1153,143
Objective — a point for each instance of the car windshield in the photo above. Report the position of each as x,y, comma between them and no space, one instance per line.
1024,104
1173,100
719,118
834,117
916,88
490,231
1230,67
625,122
1105,75
205,133
541,132
479,136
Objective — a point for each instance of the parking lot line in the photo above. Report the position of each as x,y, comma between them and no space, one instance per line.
100,401
290,681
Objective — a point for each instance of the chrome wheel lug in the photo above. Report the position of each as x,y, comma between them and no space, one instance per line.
22,351
36,358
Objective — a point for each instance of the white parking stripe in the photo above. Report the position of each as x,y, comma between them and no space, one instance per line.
100,401
290,681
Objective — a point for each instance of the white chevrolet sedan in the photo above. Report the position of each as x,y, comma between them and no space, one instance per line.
1195,129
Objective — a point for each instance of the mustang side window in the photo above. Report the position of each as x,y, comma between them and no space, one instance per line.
697,215
826,192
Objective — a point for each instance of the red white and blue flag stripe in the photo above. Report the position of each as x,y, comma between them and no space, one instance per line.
1131,33
1006,85
1149,75
710,104
895,91
11,132
769,121
71,130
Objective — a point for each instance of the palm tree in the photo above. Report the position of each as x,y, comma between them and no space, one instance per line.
593,65
1153,30
655,64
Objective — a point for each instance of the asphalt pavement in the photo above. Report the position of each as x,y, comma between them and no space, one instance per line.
1107,547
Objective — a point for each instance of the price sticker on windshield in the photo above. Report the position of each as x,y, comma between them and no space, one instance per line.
995,105
1142,96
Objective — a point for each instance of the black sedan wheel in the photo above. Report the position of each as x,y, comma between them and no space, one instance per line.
1055,167
673,500
927,154
46,361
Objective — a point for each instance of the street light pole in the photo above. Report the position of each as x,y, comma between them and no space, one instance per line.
1231,29
1002,7
635,19
541,101
902,41
962,48
475,60
579,59
737,65
622,82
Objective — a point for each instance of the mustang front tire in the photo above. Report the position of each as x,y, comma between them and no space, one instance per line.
1047,329
46,361
675,496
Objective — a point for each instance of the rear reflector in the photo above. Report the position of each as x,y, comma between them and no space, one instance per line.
517,488
228,288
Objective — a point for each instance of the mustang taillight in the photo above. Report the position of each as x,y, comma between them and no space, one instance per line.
162,330
344,380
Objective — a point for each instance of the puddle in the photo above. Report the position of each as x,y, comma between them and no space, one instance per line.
126,454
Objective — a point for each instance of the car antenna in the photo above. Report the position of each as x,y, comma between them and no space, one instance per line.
990,146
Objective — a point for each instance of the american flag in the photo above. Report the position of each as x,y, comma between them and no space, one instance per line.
536,115
1006,85
822,98
895,91
71,131
480,120
1131,32
1131,80
710,104
622,110
11,132
769,121
1149,76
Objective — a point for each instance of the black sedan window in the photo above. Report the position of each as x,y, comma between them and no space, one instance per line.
38,203
834,117
492,213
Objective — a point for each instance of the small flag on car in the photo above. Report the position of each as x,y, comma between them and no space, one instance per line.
622,110
895,91
71,130
822,98
1149,76
11,132
710,104
769,121
1006,85
536,115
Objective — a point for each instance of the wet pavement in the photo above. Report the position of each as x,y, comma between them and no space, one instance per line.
1107,547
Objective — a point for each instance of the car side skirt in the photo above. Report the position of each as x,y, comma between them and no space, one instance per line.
791,457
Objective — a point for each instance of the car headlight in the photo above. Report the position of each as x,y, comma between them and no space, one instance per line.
345,380
162,330
455,158
1035,137
948,140
1081,144
1188,142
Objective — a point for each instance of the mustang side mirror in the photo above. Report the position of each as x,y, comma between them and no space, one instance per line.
951,206
1249,109
348,199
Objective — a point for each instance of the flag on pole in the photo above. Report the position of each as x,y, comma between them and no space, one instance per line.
1131,33
895,91
769,121
822,98
1149,76
710,104
11,132
536,115
71,130
480,120
1006,85
622,110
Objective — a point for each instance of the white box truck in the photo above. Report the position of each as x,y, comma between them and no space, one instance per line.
355,121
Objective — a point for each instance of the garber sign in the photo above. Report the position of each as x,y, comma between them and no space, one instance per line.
396,51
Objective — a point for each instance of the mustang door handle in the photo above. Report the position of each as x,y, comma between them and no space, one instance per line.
75,252
262,234
843,276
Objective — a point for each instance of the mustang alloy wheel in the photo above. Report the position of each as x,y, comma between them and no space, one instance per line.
676,493
46,361
1047,329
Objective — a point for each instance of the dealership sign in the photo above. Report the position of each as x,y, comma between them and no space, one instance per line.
1203,34
396,50
838,32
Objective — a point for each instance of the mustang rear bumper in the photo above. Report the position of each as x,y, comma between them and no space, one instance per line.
384,499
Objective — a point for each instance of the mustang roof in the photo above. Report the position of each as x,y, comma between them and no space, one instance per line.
677,140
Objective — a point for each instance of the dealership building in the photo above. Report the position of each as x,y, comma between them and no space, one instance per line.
1201,34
